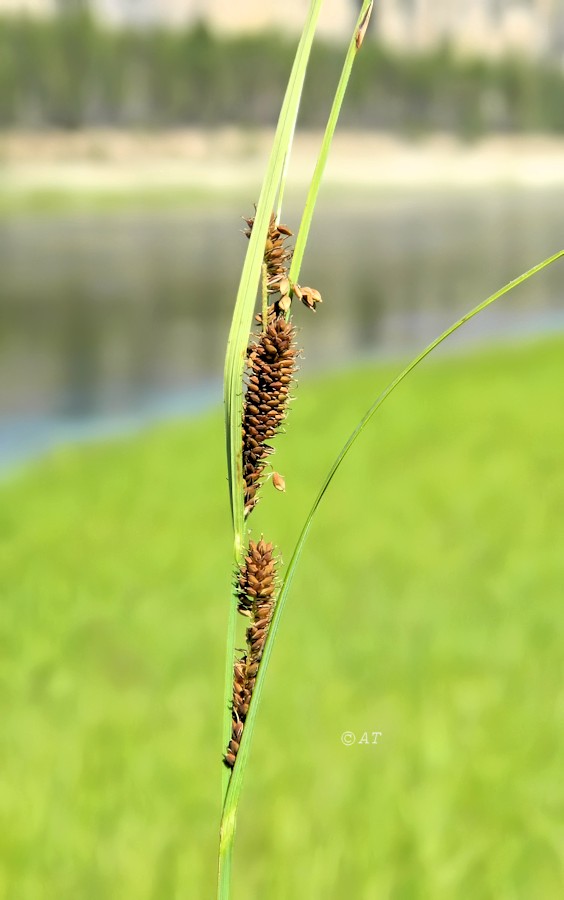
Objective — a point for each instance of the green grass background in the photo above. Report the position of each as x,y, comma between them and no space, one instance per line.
428,606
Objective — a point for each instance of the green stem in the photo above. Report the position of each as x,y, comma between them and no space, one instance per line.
284,177
313,192
226,838
264,297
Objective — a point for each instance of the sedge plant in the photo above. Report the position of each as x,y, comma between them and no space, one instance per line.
260,370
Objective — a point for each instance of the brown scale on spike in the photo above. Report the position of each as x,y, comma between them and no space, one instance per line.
240,708
256,585
277,256
272,363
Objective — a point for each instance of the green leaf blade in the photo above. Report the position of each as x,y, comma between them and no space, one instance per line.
315,185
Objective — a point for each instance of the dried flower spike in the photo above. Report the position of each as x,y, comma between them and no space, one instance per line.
277,256
256,585
272,362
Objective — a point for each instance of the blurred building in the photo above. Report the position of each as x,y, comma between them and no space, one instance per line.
336,20
220,15
36,7
486,27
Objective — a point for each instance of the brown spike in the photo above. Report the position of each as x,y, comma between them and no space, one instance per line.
255,599
272,362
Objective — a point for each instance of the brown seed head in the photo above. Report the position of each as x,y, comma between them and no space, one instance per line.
255,595
272,362
277,256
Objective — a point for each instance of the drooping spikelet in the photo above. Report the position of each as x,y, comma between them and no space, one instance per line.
272,362
256,586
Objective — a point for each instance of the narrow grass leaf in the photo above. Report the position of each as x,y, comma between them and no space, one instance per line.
305,224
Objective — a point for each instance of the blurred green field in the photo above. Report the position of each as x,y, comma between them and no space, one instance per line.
428,606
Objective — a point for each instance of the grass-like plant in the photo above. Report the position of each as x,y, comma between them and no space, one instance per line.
259,373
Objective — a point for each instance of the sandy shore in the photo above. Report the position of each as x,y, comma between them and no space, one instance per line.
228,160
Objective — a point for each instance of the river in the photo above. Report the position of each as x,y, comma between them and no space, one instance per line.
111,320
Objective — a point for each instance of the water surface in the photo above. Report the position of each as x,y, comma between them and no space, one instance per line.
108,320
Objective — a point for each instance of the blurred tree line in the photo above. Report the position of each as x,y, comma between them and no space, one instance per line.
70,72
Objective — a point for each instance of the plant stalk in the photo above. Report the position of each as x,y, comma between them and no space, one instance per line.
273,186
234,789
305,224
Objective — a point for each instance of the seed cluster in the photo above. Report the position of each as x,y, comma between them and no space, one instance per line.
277,254
272,363
256,597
